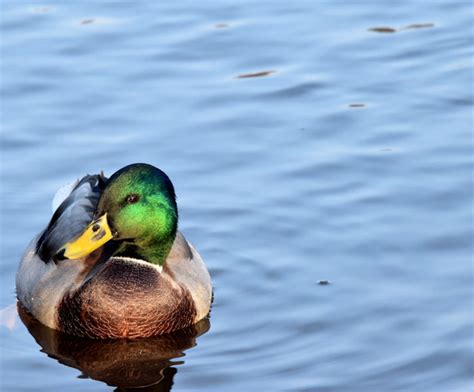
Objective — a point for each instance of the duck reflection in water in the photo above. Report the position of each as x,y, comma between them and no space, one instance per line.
145,364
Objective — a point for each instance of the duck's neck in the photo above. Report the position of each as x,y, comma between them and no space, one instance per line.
154,251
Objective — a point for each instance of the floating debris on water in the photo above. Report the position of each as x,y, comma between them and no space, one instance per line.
324,282
255,75
99,21
357,105
386,29
418,26
221,25
383,29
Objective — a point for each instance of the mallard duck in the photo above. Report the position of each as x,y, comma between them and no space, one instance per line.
112,264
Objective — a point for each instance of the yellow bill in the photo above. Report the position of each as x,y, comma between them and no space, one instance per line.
93,237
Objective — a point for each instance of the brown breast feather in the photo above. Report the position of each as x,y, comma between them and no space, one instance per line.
126,301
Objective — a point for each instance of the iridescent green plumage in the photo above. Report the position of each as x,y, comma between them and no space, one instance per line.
140,203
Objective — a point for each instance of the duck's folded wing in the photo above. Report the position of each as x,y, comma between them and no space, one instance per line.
71,217
62,194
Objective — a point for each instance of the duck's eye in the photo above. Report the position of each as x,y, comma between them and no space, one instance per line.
131,199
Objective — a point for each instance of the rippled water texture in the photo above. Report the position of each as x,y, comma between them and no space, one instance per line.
322,156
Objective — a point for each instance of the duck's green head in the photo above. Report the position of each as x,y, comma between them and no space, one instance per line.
138,211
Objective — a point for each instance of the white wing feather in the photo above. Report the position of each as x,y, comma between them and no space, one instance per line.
63,193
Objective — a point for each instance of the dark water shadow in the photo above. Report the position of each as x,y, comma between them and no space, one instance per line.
145,365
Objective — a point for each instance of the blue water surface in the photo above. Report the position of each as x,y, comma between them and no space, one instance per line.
308,141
